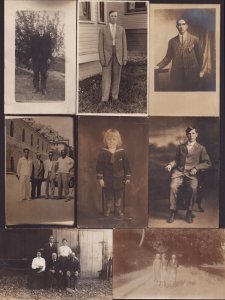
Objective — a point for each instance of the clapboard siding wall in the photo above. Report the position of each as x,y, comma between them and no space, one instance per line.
136,30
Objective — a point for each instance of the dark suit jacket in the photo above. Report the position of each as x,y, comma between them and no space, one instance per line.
41,48
38,169
49,250
73,265
187,57
113,168
105,45
53,265
197,158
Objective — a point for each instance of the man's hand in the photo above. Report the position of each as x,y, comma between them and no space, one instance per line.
124,62
48,61
193,171
30,60
127,181
156,68
101,183
168,168
201,74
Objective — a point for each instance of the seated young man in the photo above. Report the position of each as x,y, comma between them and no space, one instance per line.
36,278
72,272
191,158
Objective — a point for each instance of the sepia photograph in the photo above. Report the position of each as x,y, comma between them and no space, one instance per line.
112,172
40,171
169,264
185,59
56,264
40,57
112,57
184,169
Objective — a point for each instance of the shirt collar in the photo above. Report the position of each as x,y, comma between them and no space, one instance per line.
191,143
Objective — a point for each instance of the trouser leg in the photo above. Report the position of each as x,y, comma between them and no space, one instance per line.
192,185
33,188
116,68
47,182
174,186
36,71
106,81
118,195
60,185
109,198
65,181
52,185
39,182
22,182
43,71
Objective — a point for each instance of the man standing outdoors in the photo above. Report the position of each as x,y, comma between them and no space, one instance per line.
49,175
24,172
186,55
112,49
65,166
50,248
37,176
191,158
40,57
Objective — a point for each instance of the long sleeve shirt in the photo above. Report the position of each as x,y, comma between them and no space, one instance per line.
64,251
65,164
24,167
38,262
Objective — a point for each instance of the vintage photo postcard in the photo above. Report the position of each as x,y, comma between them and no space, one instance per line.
185,59
169,264
56,264
39,171
112,172
40,57
112,57
184,166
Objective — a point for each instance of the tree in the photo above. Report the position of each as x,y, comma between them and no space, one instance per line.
26,26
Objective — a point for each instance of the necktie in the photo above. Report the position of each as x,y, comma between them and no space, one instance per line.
182,40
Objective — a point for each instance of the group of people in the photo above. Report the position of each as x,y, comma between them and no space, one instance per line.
58,268
36,171
165,272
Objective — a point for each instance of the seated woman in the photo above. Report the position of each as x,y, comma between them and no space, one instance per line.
36,276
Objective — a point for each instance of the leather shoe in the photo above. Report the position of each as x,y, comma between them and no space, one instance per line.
189,218
171,218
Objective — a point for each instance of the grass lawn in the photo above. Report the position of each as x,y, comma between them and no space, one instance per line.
132,96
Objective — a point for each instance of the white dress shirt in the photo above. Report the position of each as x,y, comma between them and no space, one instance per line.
182,37
38,262
64,251
113,32
190,145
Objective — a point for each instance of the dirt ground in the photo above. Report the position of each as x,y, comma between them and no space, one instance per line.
192,283
24,86
14,288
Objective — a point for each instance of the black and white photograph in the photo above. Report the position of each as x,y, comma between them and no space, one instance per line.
112,57
56,264
169,264
40,171
185,59
40,57
112,172
184,169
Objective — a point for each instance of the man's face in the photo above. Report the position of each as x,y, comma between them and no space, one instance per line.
192,136
38,156
38,254
113,18
50,156
41,31
51,239
73,255
26,153
63,153
182,26
54,256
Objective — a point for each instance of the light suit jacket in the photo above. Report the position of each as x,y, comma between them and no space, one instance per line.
46,167
105,45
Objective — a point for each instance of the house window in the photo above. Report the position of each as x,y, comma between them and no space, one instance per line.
133,7
101,12
31,139
23,135
85,11
11,128
12,164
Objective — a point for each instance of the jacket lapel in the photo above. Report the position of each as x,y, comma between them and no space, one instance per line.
109,31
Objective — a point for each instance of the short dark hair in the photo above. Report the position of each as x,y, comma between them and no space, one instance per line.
50,152
190,128
64,239
112,11
24,149
181,19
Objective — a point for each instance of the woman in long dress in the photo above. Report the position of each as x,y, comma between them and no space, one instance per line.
163,273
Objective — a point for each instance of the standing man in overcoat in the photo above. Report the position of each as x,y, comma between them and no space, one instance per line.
112,49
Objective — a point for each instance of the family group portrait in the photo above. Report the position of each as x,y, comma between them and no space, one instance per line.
184,172
56,264
169,264
112,63
40,170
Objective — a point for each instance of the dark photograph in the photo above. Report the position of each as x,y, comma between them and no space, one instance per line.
40,56
185,54
184,172
40,180
112,172
169,264
56,264
113,48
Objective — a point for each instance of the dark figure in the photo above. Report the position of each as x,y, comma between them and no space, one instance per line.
40,57
49,248
186,55
72,272
191,158
37,176
54,274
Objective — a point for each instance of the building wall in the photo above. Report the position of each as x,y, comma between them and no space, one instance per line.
15,145
136,30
